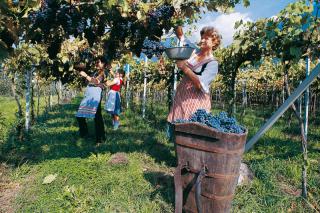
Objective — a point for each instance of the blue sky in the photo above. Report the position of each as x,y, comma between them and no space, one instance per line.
225,22
263,8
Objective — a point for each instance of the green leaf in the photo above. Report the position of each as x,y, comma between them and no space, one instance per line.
238,24
139,16
71,67
64,59
49,179
125,7
34,51
145,7
3,53
246,3
295,52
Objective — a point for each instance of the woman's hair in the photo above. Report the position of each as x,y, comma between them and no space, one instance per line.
102,59
121,71
214,34
101,72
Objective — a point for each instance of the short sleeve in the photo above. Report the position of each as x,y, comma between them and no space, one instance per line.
115,81
208,75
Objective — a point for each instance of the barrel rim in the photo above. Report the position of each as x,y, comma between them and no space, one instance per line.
218,150
212,129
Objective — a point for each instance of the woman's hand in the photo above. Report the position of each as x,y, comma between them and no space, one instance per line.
181,64
88,78
83,74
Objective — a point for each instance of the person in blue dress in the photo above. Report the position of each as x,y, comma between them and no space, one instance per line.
90,106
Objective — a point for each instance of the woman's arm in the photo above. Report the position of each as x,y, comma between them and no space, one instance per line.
112,82
111,73
90,79
188,72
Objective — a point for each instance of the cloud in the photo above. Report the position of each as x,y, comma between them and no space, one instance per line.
223,22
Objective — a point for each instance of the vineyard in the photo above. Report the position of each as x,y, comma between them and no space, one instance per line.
268,80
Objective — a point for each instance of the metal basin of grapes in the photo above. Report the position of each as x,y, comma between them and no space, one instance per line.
179,53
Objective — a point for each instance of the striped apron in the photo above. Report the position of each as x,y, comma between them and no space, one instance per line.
113,103
89,104
187,100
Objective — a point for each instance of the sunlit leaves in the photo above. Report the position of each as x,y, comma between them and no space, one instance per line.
116,26
292,32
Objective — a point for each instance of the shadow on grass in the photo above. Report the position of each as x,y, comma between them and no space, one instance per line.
55,136
163,184
279,148
132,141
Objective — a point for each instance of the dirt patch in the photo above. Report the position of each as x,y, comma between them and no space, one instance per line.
66,101
290,190
8,190
119,159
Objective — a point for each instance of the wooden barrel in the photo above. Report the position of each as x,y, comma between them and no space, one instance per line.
218,155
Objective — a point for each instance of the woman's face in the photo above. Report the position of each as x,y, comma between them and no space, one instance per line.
206,42
100,65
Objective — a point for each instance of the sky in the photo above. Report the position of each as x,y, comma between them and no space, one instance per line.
225,22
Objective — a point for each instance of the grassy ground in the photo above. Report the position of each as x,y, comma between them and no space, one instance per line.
87,182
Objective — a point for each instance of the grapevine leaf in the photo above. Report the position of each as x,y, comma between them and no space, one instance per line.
139,16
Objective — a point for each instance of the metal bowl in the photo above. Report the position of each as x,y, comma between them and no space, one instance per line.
179,53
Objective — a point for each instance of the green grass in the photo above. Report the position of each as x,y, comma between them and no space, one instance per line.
86,182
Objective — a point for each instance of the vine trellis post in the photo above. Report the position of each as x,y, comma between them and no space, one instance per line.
306,95
28,97
127,70
145,87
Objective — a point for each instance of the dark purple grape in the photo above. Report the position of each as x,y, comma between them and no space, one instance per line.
151,48
222,122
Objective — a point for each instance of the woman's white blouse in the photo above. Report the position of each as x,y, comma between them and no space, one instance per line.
209,73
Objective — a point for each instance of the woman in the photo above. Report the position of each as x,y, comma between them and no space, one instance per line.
113,103
199,71
90,106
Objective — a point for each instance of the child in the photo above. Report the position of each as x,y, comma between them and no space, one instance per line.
113,103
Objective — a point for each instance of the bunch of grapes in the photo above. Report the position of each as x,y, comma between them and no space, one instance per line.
86,55
41,16
164,12
69,21
81,26
151,48
221,121
38,17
